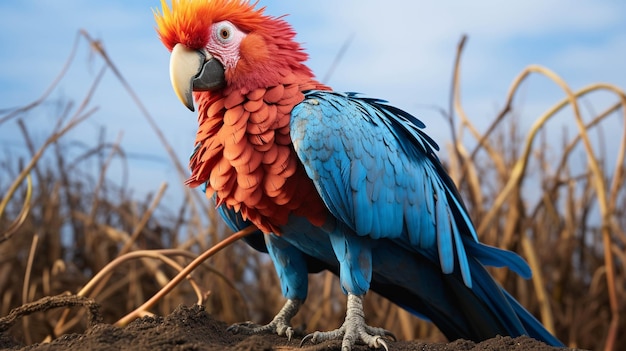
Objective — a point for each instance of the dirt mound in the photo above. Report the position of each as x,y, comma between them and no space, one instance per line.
192,328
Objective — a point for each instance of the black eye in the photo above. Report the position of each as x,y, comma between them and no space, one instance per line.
224,31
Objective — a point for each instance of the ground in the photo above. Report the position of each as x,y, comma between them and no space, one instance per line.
192,328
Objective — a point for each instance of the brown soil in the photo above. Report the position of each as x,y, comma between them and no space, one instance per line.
191,328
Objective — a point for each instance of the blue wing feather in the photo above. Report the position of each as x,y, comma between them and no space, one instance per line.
444,237
376,169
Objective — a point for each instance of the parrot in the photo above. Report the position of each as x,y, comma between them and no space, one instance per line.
333,181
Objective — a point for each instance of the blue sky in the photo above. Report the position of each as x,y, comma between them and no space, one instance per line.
401,51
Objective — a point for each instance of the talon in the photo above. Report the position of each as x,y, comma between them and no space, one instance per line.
286,331
391,336
306,338
381,342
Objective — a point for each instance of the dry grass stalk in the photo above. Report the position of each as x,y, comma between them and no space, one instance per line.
506,204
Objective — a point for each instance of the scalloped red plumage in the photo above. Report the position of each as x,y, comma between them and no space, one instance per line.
243,147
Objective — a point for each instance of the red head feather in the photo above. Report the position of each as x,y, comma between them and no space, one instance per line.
268,51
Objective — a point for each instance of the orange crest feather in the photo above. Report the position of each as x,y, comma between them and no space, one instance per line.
188,21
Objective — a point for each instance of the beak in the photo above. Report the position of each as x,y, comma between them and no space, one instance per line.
193,70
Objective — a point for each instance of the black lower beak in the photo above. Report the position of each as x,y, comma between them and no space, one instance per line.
210,77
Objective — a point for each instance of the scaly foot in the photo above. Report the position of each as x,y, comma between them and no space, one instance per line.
353,329
279,325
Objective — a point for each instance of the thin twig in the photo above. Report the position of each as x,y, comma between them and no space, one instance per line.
50,302
144,220
50,88
27,274
342,51
21,217
182,274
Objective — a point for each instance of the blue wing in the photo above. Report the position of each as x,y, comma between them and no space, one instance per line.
378,174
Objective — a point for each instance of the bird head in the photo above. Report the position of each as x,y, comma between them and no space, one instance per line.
223,45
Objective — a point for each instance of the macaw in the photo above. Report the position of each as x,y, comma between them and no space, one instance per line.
333,181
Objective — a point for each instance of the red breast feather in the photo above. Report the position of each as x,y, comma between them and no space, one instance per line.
245,152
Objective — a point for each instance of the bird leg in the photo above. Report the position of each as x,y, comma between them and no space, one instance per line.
279,325
353,329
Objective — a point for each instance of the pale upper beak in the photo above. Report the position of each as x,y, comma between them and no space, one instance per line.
193,70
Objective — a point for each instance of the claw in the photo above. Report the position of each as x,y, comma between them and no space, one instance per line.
353,330
390,335
279,325
381,332
381,342
306,338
